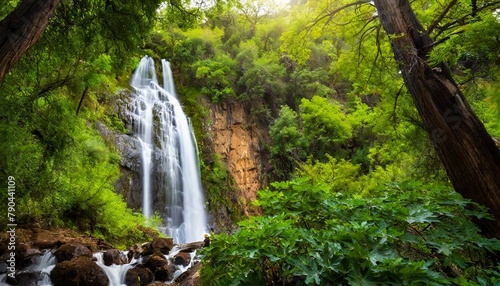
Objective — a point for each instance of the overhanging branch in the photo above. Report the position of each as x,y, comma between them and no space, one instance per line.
441,16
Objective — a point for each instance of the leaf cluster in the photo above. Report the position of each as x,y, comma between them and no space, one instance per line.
407,234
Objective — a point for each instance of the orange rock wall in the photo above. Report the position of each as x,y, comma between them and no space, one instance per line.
237,140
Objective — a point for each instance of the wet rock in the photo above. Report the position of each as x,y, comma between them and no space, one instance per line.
113,256
129,184
139,276
159,265
24,278
147,248
130,150
164,245
134,251
182,258
206,241
139,250
26,256
155,261
191,277
165,272
47,244
190,247
69,251
82,271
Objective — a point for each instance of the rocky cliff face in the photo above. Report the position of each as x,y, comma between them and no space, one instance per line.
129,184
238,140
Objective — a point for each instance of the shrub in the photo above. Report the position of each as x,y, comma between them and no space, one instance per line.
407,234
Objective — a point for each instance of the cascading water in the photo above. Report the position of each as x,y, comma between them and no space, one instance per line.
116,273
169,154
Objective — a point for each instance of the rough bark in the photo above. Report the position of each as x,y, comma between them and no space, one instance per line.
21,29
468,153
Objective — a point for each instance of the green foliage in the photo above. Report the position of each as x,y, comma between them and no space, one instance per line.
288,145
408,234
286,134
321,128
324,123
306,83
217,75
220,190
339,174
64,170
256,255
262,78
7,7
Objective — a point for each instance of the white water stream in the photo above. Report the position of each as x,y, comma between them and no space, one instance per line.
115,273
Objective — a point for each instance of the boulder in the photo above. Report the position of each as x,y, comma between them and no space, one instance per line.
130,150
69,251
165,272
190,247
27,256
191,277
161,268
182,258
206,241
113,256
164,245
24,278
138,276
155,261
47,244
139,250
135,251
147,249
82,271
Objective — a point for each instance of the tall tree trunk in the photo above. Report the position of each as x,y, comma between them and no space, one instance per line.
20,30
468,153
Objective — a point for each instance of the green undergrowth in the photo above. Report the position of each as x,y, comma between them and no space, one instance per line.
221,191
401,234
64,170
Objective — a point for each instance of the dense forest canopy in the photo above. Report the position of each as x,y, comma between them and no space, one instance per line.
381,120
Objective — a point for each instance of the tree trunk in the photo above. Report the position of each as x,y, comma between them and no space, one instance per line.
21,29
468,153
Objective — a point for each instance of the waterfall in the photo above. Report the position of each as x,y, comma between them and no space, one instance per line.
116,273
170,167
44,263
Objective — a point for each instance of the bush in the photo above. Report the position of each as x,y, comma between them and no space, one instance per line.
64,171
407,234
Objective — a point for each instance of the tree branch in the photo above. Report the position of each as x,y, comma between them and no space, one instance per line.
440,41
441,16
463,20
332,13
396,102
